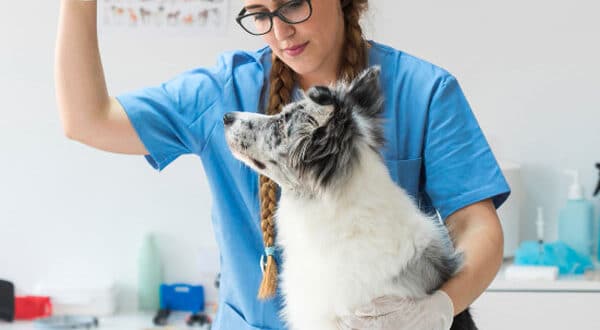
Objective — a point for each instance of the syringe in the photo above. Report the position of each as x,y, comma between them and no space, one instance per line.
540,229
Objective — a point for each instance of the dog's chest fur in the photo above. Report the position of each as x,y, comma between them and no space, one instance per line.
339,254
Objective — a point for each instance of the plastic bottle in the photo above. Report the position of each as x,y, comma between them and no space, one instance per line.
576,219
596,192
149,275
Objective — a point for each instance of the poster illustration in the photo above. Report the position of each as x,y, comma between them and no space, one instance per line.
196,15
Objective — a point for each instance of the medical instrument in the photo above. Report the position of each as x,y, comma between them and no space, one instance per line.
540,229
66,322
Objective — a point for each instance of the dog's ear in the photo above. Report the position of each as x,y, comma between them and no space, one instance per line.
325,150
365,90
321,95
327,138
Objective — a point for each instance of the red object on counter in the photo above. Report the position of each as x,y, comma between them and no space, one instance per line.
32,307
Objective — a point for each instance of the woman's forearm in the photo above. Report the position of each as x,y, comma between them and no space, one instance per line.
477,232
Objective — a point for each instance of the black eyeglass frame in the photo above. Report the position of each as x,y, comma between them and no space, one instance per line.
272,14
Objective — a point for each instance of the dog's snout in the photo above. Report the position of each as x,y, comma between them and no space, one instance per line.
228,119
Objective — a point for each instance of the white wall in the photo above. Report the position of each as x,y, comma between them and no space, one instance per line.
529,69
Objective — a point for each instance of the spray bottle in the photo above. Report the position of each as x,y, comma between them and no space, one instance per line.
596,192
576,219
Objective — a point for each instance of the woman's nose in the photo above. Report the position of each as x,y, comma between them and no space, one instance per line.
282,29
228,119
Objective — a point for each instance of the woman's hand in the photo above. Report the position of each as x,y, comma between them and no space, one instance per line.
434,312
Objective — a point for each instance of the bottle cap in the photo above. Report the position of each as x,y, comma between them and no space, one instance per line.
576,189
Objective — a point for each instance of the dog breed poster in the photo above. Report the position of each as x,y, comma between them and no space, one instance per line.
174,15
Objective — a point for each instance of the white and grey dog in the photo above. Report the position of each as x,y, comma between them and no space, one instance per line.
348,233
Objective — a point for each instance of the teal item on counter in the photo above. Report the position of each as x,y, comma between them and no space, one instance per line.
149,275
568,260
576,219
576,225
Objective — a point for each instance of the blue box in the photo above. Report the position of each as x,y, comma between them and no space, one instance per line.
182,297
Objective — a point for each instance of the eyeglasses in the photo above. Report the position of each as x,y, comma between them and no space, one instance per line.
261,22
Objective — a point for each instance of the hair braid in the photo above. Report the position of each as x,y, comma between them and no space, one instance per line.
354,53
282,83
282,79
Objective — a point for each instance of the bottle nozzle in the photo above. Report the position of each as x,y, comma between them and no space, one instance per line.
575,190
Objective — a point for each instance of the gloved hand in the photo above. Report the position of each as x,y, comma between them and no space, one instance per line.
434,312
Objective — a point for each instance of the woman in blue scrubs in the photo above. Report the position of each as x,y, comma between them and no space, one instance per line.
436,150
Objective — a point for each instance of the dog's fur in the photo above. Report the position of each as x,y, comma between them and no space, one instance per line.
348,232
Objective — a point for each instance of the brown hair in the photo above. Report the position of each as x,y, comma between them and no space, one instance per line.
282,79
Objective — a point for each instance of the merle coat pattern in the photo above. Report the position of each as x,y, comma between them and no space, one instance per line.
348,232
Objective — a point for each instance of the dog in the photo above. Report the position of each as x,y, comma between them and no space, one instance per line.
348,233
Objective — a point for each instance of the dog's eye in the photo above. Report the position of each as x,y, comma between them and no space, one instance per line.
312,120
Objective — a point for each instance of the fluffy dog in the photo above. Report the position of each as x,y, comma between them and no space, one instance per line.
348,233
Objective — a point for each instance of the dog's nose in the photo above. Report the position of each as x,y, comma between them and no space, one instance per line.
228,119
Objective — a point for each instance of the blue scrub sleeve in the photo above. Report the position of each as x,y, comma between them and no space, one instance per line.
170,119
460,168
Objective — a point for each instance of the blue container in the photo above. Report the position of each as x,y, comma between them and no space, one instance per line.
182,297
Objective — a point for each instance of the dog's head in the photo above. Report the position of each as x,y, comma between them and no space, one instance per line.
315,142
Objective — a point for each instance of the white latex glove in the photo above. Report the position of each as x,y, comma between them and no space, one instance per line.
434,312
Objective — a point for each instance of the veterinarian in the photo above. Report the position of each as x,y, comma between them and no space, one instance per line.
435,149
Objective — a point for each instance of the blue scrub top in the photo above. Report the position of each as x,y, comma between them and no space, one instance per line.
435,150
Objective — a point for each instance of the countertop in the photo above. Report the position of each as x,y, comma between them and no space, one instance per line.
570,283
134,321
143,321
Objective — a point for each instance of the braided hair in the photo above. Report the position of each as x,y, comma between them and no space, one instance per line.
282,80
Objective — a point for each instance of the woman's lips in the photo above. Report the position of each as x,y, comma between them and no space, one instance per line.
296,50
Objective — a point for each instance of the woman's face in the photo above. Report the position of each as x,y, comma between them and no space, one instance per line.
318,41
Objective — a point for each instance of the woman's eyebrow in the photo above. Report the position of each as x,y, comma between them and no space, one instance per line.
277,2
253,7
